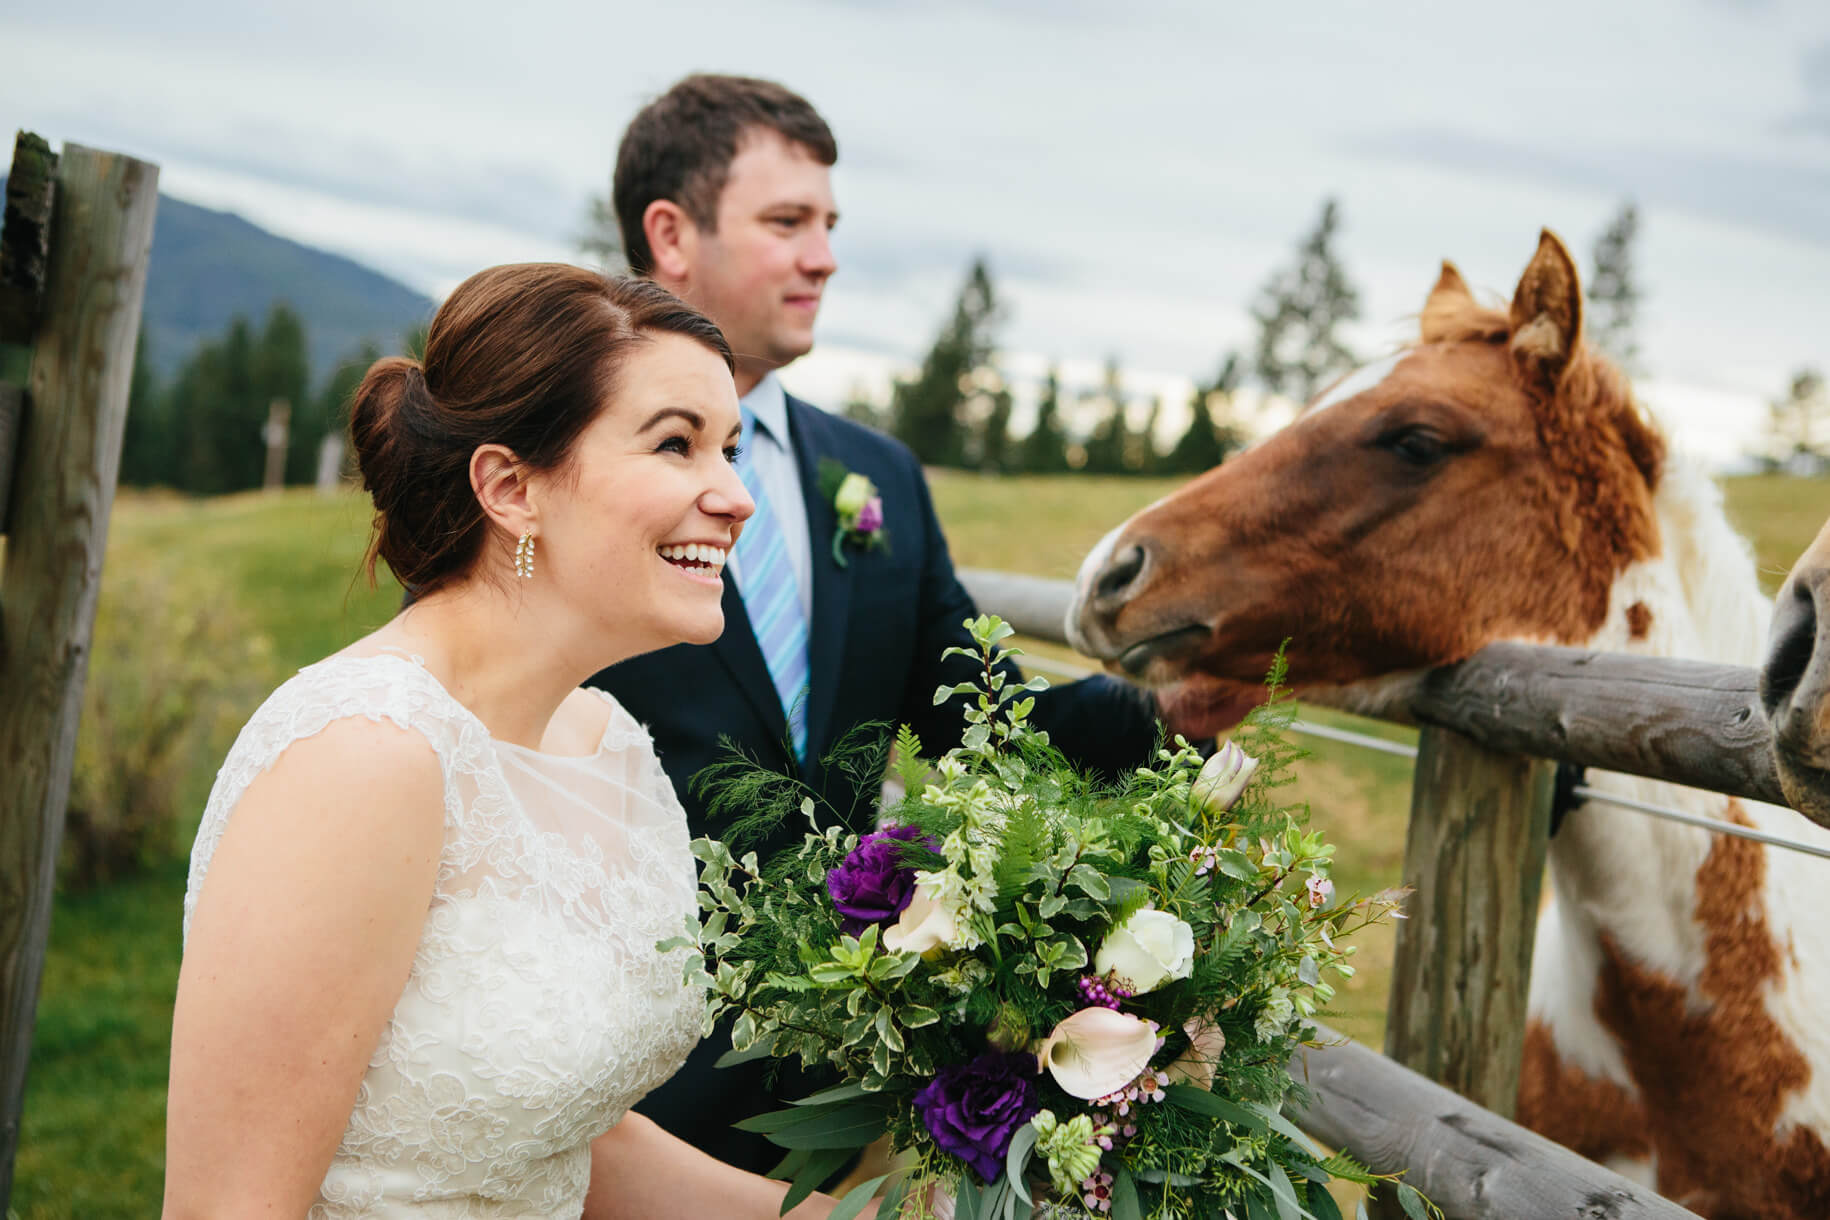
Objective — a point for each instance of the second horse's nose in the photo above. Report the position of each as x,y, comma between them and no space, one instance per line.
1791,648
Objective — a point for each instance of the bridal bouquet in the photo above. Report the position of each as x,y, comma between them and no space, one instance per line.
1056,996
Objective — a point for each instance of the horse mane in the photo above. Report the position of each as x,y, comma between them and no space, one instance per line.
1592,427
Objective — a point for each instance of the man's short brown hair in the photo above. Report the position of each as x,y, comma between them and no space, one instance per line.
680,147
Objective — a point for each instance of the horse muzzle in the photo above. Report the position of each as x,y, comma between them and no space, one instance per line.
1795,689
1112,578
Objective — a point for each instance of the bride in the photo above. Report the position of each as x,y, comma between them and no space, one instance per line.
420,974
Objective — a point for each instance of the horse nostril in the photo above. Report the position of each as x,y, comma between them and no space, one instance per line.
1789,649
1120,573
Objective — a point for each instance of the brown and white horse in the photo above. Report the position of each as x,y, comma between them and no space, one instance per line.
1497,481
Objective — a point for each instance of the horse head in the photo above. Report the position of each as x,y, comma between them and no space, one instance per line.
1487,483
1795,681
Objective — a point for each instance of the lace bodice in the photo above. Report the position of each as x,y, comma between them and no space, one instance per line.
538,1009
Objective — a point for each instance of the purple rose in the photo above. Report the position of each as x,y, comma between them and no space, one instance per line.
872,884
870,517
973,1110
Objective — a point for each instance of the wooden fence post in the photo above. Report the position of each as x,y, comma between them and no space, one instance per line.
69,454
1474,861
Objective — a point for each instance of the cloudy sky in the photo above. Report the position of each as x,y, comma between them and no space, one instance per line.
1134,172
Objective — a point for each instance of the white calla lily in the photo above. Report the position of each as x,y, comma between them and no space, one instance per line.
1147,950
1097,1051
925,925
1223,777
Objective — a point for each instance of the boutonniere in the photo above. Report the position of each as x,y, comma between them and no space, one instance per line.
860,510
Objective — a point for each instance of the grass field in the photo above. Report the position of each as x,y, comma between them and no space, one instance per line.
92,1143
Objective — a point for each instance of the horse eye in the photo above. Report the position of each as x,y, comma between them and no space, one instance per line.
1416,445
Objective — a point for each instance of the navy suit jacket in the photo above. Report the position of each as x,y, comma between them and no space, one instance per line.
880,624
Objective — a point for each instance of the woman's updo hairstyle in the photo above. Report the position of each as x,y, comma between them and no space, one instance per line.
523,356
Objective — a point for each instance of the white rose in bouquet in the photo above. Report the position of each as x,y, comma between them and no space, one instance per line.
1147,950
926,925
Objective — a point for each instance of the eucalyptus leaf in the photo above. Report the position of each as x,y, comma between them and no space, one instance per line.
826,1097
759,1049
856,1199
967,1198
1322,1205
1199,1100
1412,1202
820,1166
1125,1204
1016,1159
790,1164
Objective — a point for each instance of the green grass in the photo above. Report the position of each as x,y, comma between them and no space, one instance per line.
93,1139
92,1143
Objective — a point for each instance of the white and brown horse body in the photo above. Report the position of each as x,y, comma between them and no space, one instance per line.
1498,482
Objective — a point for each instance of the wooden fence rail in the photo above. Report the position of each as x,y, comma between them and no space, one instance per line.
1693,723
1479,829
1468,1161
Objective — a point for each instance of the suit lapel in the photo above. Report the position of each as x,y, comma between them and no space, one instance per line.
738,650
831,583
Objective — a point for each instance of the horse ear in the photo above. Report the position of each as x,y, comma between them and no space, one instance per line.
1449,299
1547,312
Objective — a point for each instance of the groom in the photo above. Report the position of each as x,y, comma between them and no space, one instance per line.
722,190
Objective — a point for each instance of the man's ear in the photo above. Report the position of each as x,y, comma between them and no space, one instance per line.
502,489
673,240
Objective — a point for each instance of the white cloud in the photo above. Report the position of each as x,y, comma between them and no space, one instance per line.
1133,173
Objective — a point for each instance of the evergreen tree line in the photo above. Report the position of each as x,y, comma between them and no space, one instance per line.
955,410
204,430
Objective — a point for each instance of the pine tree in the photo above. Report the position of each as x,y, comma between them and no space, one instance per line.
926,411
994,436
1107,445
1044,450
148,446
861,408
1299,313
217,416
601,242
1141,456
1797,423
333,401
1208,440
1614,290
282,372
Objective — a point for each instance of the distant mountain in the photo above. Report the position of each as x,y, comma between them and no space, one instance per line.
208,266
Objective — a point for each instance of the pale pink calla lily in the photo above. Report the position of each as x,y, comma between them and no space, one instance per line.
1196,1064
1097,1051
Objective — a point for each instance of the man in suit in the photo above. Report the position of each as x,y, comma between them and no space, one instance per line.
722,190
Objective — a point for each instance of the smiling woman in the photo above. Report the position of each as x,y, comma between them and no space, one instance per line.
420,966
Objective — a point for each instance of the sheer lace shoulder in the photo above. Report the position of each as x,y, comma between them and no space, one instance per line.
378,688
538,1008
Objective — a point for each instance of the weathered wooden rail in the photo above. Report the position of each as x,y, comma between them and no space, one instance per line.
1491,730
1468,1160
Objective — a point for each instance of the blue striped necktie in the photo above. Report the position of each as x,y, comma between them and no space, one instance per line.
772,598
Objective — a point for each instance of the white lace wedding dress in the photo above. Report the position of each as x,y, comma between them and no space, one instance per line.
538,1009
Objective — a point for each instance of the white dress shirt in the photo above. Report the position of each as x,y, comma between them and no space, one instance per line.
780,476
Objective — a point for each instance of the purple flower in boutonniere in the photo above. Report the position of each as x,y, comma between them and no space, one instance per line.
860,510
